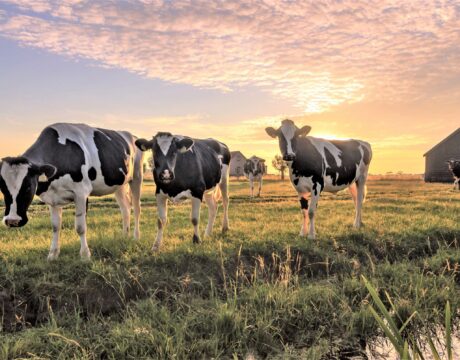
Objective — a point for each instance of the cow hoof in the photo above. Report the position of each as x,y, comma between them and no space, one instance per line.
196,239
53,255
225,229
85,254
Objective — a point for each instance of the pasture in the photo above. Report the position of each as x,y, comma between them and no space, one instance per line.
260,290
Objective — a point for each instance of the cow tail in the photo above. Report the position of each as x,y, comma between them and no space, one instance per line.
217,194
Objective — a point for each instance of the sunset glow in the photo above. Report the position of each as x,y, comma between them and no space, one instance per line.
382,71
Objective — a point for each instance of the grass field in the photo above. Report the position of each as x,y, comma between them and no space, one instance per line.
258,291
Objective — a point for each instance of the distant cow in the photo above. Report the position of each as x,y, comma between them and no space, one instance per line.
454,167
317,165
68,163
254,171
186,168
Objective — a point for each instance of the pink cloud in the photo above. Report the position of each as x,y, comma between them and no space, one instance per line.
316,55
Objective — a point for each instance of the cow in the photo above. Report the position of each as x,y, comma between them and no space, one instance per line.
454,167
68,163
186,168
317,165
254,171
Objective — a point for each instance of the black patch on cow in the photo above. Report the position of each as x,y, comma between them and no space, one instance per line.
7,198
20,160
196,170
68,158
303,203
366,155
454,167
196,239
114,153
308,163
350,156
253,168
160,224
219,148
194,222
296,181
87,205
92,173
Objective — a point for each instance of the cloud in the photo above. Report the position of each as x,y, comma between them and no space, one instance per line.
316,55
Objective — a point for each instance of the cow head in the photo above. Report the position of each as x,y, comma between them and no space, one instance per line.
453,164
18,183
165,148
287,136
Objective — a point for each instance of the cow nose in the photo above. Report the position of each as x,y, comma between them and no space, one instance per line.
289,157
166,175
12,223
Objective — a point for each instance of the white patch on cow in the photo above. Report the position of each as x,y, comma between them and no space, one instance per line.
14,175
164,142
288,131
321,144
184,195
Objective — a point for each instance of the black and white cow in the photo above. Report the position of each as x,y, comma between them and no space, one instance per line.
317,165
186,168
454,167
254,171
68,163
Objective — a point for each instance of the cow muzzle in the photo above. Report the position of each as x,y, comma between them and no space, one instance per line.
13,221
166,176
289,157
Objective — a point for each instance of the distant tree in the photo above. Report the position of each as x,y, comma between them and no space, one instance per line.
280,165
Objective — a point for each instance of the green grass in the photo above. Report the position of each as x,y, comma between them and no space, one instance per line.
259,290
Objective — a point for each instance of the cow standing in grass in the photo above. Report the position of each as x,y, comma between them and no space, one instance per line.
454,167
317,165
68,163
186,168
254,171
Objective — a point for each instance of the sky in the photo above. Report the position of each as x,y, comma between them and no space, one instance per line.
386,71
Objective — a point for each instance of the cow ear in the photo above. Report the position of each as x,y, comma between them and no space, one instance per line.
144,144
44,172
303,131
184,145
271,132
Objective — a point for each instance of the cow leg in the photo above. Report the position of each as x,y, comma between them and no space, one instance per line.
225,200
260,186
195,217
136,189
56,222
311,213
304,210
211,201
123,200
251,184
457,184
136,186
80,226
162,207
360,194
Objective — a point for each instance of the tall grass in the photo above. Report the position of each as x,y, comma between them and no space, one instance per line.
259,291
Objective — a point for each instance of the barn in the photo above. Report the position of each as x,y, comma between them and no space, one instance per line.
237,163
436,169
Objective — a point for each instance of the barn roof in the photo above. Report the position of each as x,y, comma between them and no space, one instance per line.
256,157
233,153
455,133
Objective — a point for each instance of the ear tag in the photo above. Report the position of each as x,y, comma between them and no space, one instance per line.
42,178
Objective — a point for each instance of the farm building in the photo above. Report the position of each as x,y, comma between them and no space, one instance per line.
237,163
436,169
